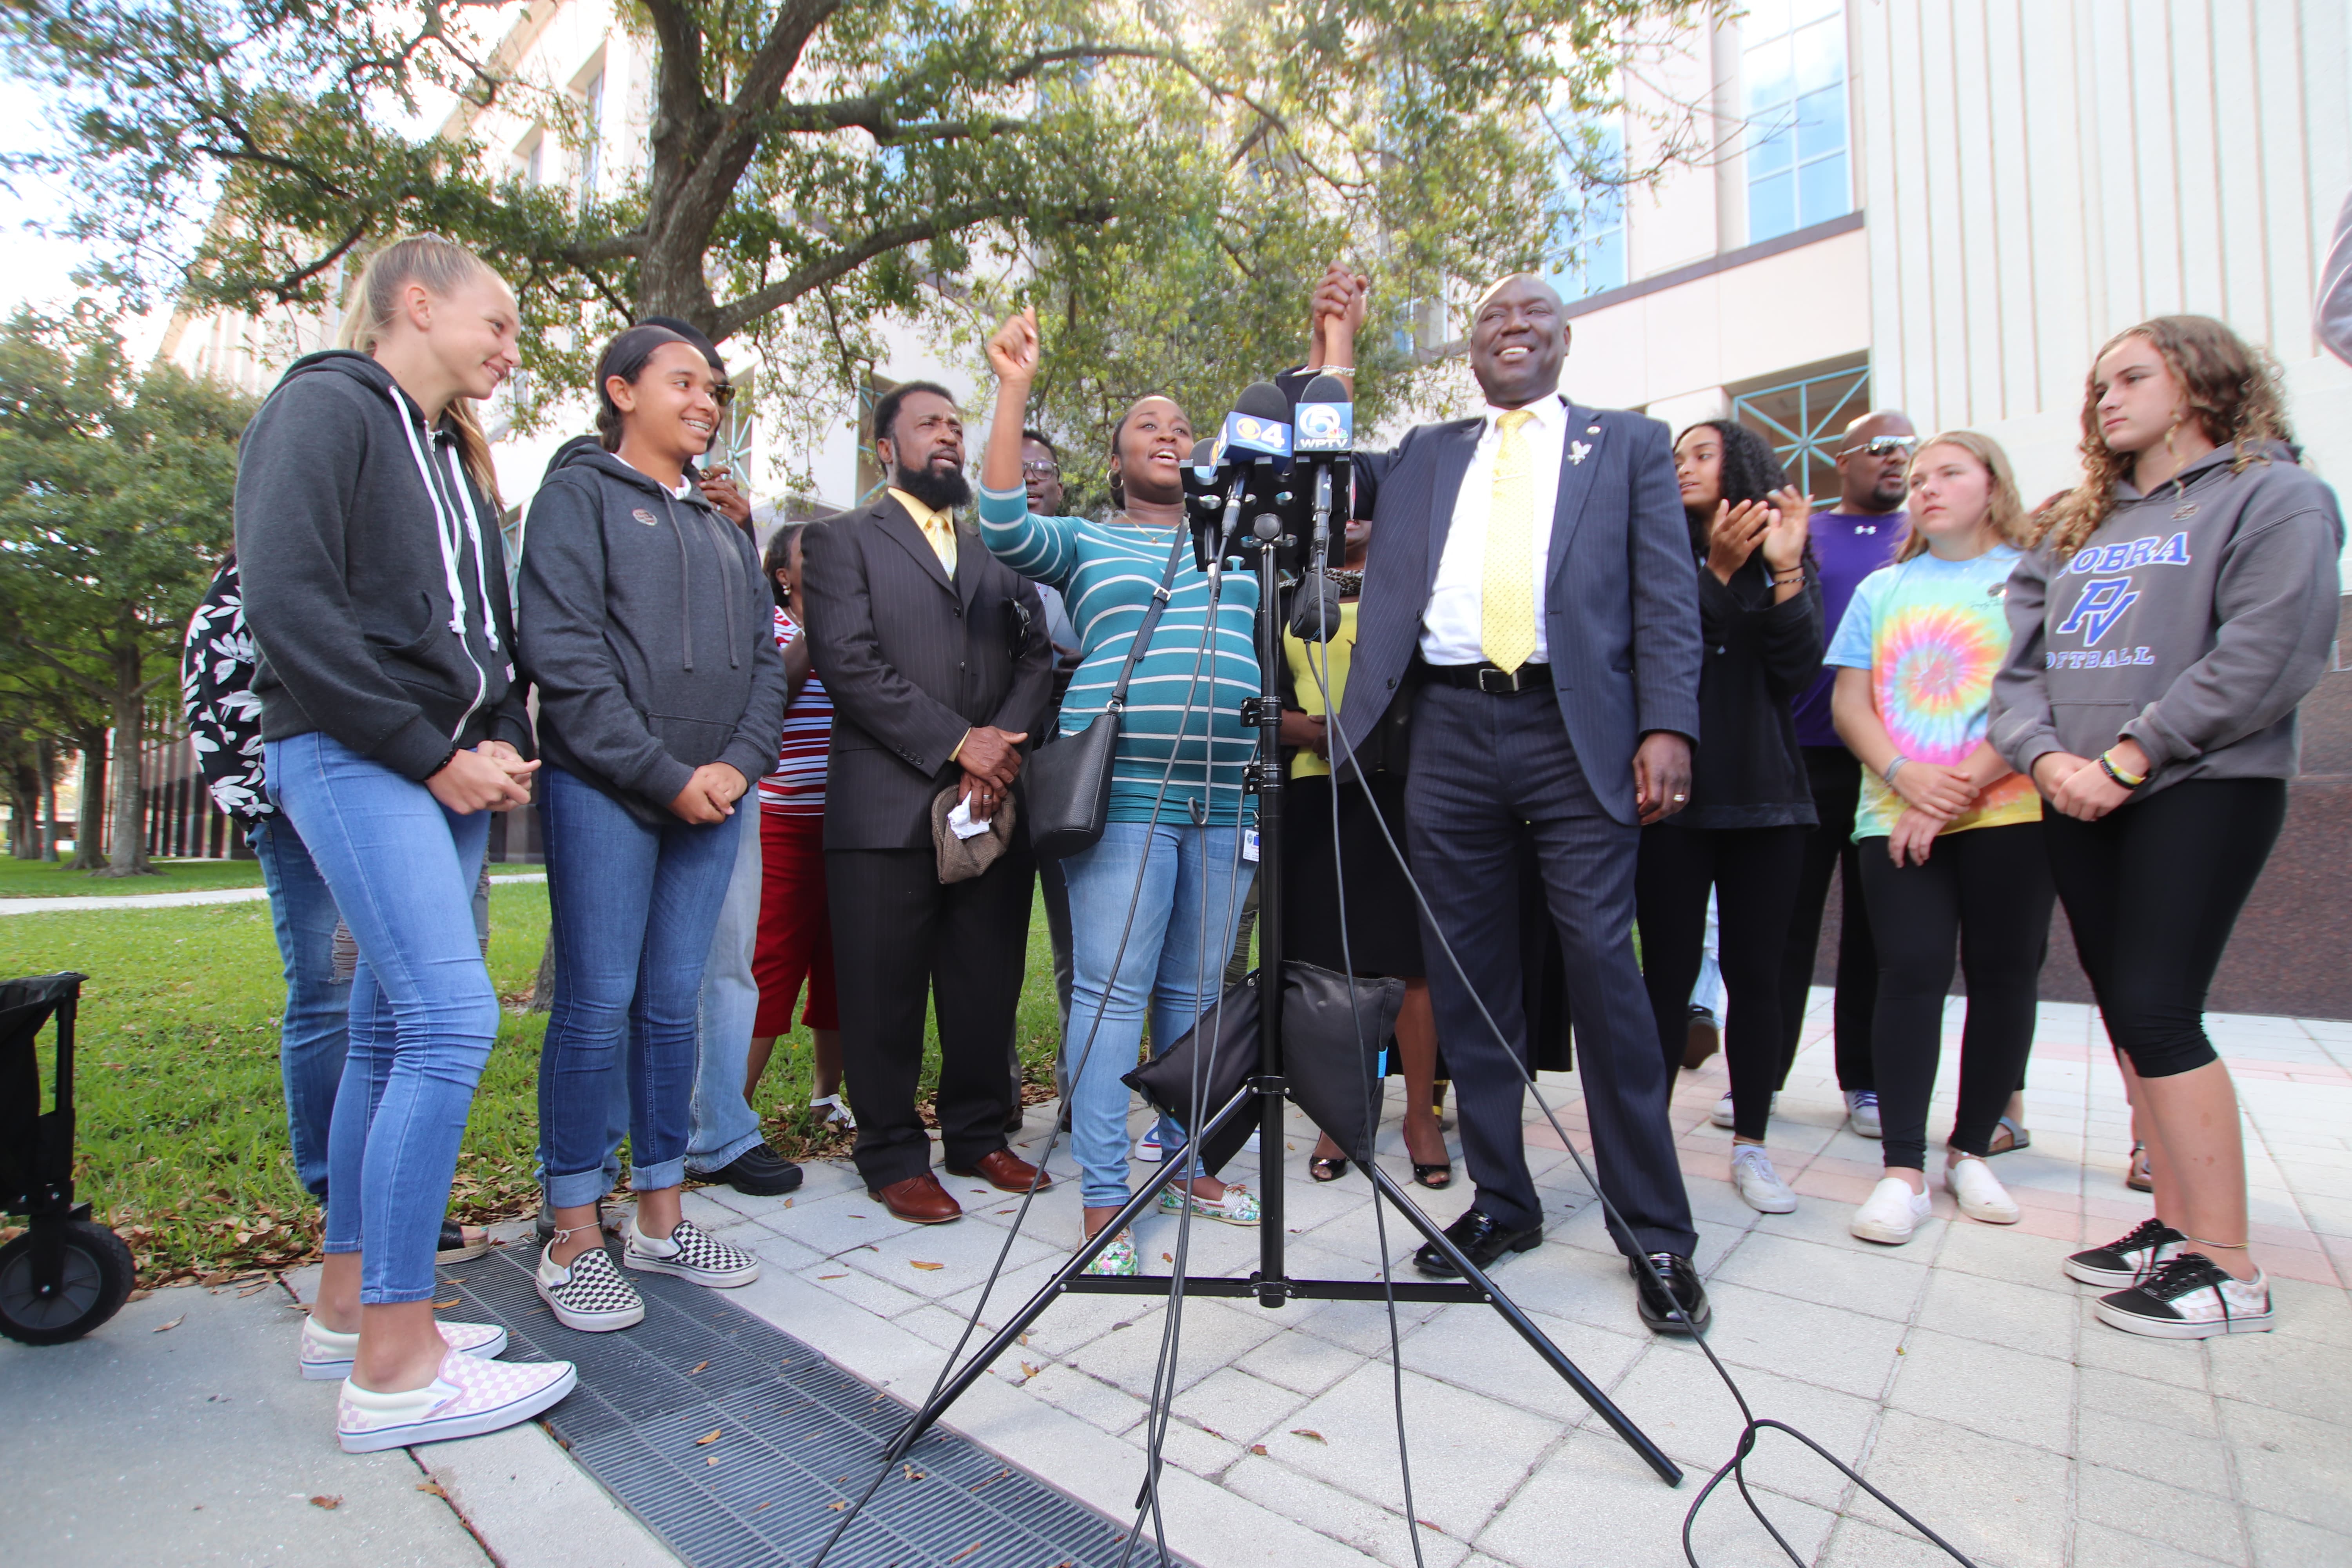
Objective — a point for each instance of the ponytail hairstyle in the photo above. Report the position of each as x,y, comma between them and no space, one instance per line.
626,356
440,266
779,555
2231,389
2006,511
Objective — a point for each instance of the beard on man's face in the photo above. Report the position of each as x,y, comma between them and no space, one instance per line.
939,489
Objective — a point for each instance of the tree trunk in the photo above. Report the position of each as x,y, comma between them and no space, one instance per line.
127,840
24,811
542,987
90,808
48,753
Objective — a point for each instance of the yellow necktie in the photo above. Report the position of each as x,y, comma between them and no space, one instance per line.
1506,632
939,528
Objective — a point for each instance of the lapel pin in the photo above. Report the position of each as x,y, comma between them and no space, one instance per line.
1578,451
1592,429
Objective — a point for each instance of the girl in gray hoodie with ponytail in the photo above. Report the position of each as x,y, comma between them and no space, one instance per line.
643,620
2177,608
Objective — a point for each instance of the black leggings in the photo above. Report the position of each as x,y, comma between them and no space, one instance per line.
2152,889
1989,886
1836,779
1753,872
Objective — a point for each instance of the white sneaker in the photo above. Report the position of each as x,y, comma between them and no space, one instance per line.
836,1114
1722,1114
690,1254
588,1293
1758,1184
1980,1192
327,1355
1146,1148
1892,1213
470,1397
1862,1113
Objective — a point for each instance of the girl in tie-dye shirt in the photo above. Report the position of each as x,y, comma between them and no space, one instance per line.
1950,837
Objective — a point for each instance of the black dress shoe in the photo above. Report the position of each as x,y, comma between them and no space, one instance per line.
1660,1311
1482,1238
758,1172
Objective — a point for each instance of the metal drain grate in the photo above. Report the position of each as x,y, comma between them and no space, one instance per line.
797,1437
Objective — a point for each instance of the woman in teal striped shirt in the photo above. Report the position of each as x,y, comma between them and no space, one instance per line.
1174,849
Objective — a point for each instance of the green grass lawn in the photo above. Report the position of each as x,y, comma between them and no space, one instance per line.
56,879
182,1125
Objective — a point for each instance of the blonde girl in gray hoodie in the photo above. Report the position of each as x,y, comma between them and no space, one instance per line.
2176,607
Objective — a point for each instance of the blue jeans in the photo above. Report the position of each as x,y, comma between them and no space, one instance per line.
632,909
1173,967
722,1123
313,1026
401,868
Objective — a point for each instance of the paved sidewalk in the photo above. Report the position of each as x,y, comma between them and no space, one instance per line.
1963,1372
173,901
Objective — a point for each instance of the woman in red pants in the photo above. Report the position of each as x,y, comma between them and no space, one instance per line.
795,940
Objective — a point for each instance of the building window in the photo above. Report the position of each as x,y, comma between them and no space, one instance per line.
1588,237
736,443
591,152
1803,415
1793,66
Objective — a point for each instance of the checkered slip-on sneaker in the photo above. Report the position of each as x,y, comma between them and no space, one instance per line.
2127,1259
687,1253
2189,1297
470,1396
589,1294
327,1355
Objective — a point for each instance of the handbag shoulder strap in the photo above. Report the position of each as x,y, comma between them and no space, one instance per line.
1160,597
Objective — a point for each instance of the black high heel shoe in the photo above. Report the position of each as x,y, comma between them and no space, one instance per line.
1328,1168
1443,1170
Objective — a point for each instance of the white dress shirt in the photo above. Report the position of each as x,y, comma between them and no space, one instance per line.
1452,629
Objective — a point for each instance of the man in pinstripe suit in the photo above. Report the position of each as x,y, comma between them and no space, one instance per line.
936,658
1535,598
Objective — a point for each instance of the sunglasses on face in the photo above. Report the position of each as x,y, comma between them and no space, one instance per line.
1040,471
723,394
1884,446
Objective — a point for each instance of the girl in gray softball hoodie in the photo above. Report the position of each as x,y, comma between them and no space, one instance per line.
2150,691
646,625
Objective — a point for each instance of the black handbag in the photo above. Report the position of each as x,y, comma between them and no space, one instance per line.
1068,783
1333,1029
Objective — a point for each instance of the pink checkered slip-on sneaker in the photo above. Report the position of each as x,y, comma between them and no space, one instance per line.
470,1396
327,1355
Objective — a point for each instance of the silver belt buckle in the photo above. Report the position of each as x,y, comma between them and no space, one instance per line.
1508,680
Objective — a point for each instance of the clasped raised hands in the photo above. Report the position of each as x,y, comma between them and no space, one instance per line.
1015,349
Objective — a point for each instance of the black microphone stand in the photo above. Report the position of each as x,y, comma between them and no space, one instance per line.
1272,1284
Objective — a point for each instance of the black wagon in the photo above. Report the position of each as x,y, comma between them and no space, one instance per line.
66,1273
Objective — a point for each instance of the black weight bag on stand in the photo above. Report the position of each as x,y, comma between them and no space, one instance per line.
67,1273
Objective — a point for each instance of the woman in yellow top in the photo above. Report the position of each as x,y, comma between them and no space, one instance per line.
1332,830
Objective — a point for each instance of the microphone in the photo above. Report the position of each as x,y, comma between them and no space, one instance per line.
1260,426
1253,453
1326,438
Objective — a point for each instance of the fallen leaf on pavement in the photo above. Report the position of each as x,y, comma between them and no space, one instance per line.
912,1474
698,1366
833,1276
1309,1433
766,1504
167,1327
712,1460
430,1486
1028,1371
837,1507
965,1553
1257,1448
913,1263
708,1437
450,1302
322,1501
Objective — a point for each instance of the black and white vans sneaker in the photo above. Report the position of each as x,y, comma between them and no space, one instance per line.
687,1253
2189,1297
2127,1259
588,1294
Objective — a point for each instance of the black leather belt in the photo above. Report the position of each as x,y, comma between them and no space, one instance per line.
1488,679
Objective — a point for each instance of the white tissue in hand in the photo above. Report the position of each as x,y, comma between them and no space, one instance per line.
960,824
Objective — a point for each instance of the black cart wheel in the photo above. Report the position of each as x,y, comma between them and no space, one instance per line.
95,1281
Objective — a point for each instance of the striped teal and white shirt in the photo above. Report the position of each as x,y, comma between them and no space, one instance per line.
1187,692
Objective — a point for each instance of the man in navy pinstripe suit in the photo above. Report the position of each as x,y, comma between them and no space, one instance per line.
1535,598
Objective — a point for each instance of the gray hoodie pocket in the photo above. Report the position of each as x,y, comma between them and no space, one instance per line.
693,741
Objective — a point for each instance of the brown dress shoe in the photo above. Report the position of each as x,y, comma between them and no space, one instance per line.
1006,1172
919,1199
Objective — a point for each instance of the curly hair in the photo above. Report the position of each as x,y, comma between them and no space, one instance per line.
1750,471
2229,387
2005,509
